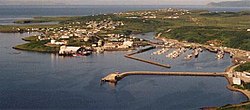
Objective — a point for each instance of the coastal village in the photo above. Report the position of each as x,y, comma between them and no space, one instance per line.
97,35
84,38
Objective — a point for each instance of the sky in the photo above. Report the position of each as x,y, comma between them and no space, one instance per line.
108,2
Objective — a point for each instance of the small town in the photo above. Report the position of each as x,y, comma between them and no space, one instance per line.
84,38
76,40
81,38
83,58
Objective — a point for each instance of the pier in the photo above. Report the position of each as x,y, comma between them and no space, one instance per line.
115,77
147,61
141,50
130,55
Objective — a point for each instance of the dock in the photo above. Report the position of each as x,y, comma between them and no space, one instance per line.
142,50
147,61
130,55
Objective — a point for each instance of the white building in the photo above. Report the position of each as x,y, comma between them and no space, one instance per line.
248,30
128,43
53,41
60,43
109,45
86,39
65,37
150,17
236,81
100,43
68,49
94,45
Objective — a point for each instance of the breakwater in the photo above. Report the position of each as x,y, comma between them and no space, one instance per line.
115,77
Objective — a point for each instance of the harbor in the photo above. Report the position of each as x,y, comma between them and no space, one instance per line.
130,55
68,81
175,49
115,77
134,49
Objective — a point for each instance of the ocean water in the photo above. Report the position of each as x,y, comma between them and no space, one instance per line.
8,14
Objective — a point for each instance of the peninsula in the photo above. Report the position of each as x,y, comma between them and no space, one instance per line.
238,3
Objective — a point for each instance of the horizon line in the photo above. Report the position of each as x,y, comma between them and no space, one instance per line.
98,5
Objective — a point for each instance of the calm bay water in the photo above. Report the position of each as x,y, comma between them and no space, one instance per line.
205,62
31,80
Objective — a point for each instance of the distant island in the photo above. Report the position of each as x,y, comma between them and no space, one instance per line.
242,3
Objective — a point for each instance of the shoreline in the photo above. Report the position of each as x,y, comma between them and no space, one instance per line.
115,77
16,48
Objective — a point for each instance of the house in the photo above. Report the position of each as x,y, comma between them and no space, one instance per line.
172,17
52,41
128,43
150,17
248,30
100,42
86,39
65,37
94,45
110,46
236,81
60,43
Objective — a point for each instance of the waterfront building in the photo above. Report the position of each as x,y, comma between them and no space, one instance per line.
60,43
65,37
236,81
128,43
109,45
68,49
